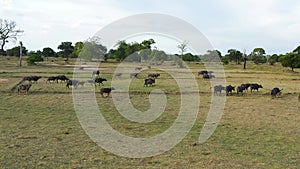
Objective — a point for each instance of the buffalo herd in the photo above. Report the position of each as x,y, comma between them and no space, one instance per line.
148,82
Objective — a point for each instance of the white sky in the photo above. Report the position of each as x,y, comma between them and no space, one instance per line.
271,24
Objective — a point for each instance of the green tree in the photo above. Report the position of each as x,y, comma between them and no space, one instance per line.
15,51
48,52
77,49
92,48
8,31
291,60
66,48
273,59
258,56
297,50
234,55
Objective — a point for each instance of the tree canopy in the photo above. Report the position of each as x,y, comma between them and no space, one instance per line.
66,48
291,60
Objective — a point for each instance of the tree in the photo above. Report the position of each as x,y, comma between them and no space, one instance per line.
15,51
157,57
297,50
8,32
92,48
182,48
257,56
48,52
273,59
234,55
77,49
291,60
66,48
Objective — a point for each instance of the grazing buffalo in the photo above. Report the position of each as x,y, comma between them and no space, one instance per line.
229,89
24,87
255,86
133,75
31,78
149,82
275,92
51,78
95,72
154,75
218,89
246,86
208,76
73,83
106,90
138,68
99,80
62,78
240,89
202,72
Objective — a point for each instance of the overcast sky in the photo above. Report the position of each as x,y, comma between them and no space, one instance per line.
271,24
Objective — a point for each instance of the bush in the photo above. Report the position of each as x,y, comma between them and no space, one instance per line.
34,57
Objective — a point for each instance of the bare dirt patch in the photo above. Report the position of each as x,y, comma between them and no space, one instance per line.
3,80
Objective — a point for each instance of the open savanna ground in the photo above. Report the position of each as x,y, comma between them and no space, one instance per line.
41,129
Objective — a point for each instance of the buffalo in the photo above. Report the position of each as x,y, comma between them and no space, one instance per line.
95,72
133,75
255,86
99,80
275,92
154,75
229,89
240,89
106,90
51,78
62,78
32,78
24,87
218,89
73,83
148,82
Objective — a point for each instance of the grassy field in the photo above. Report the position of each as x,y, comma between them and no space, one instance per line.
41,129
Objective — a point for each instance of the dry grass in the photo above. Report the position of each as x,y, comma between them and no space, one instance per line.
41,130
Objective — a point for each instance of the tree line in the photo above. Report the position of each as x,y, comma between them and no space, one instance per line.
138,52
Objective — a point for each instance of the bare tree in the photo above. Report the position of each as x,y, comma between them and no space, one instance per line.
8,32
182,47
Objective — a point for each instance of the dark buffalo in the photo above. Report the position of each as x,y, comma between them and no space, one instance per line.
202,72
149,82
51,78
24,87
62,78
240,89
246,86
106,90
154,75
208,76
229,89
255,86
99,80
95,72
218,89
275,92
73,83
133,75
31,78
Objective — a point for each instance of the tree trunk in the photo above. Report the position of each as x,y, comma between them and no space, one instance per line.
245,62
